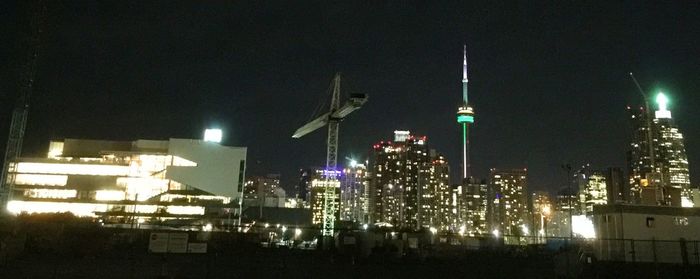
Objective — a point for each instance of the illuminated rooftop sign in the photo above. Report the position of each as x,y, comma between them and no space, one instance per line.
663,111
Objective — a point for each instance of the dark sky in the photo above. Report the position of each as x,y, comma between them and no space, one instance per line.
549,82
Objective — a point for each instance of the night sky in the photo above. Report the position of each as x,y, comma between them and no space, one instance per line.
549,83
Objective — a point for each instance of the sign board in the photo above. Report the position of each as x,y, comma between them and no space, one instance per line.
197,248
177,243
168,243
158,243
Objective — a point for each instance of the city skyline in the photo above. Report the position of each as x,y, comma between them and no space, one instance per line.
132,77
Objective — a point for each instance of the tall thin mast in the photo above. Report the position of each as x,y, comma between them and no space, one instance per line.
465,117
464,78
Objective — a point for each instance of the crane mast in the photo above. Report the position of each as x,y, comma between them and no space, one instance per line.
332,118
331,163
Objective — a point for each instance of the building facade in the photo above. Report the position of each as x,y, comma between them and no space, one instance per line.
512,216
319,181
657,161
471,207
128,180
264,191
593,191
409,185
353,194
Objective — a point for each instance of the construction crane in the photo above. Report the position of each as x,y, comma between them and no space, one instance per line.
332,118
13,149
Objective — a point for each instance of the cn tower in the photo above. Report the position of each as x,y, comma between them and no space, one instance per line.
465,117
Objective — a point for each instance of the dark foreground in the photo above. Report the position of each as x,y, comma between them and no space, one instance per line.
285,263
66,250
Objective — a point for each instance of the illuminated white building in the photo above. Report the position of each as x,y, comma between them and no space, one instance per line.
117,180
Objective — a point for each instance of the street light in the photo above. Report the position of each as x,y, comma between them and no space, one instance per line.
544,215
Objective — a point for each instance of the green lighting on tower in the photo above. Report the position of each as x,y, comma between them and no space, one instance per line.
465,119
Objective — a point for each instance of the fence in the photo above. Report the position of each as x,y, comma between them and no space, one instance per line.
656,251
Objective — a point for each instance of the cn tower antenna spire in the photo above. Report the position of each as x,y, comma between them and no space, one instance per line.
465,98
465,118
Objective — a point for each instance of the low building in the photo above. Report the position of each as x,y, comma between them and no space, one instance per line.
129,181
646,233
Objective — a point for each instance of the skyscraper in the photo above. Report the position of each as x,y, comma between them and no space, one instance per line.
471,204
435,197
657,161
671,159
353,193
465,117
639,155
406,183
511,214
